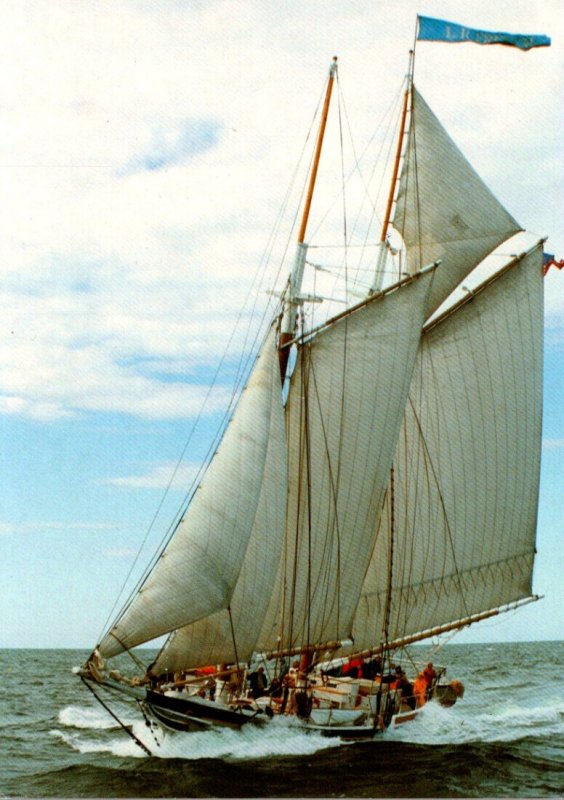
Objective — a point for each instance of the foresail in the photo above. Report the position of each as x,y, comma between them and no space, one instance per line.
197,572
211,640
346,403
466,468
444,210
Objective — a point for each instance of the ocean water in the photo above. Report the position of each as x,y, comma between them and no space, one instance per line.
504,739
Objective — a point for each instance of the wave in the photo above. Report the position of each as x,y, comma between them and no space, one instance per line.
280,737
121,747
86,717
491,724
435,725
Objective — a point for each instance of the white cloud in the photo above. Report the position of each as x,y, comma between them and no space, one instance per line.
173,143
115,274
159,476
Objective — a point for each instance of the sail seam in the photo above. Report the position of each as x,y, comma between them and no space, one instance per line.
497,566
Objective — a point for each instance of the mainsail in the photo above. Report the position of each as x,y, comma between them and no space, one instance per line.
346,404
197,572
466,467
444,211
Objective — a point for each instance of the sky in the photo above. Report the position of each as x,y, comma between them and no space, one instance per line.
145,151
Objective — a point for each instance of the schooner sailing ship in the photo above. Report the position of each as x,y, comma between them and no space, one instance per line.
376,486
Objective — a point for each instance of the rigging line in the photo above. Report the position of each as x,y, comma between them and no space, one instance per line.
387,608
427,455
309,500
136,660
265,259
334,482
129,732
279,220
334,526
415,482
172,528
304,377
233,634
390,115
286,201
343,188
357,160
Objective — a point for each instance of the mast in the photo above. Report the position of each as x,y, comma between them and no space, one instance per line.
383,248
292,296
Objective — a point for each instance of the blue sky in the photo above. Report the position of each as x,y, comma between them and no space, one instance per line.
144,153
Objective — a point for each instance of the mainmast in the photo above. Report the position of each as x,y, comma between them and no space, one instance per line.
292,295
383,245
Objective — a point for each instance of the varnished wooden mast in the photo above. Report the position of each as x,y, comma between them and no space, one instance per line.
386,224
317,155
288,323
396,166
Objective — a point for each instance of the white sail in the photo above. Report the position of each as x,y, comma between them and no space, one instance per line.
466,468
346,403
197,572
444,210
211,640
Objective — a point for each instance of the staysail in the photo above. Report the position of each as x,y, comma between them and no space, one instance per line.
444,210
466,467
211,640
197,572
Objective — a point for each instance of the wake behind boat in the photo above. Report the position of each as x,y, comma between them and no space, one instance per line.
376,485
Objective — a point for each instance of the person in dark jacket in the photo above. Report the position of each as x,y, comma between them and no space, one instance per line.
258,683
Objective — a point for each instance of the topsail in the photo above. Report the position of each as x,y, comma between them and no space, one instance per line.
444,210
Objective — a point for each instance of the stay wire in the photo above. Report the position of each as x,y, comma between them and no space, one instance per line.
129,732
265,260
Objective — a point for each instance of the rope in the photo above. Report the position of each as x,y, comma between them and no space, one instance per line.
148,722
129,732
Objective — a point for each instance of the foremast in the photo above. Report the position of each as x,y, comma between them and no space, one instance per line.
292,296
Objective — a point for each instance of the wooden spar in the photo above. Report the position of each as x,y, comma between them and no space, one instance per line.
381,264
305,648
366,301
404,640
439,629
287,335
199,678
317,156
396,167
398,150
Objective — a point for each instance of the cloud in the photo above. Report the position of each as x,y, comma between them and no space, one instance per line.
144,156
174,143
159,476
